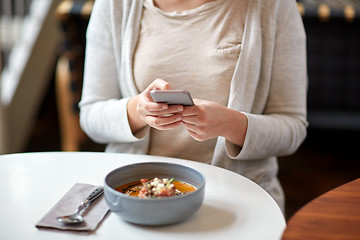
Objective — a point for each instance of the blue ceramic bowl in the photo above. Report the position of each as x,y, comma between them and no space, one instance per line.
154,211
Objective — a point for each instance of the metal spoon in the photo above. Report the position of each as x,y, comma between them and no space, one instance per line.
76,217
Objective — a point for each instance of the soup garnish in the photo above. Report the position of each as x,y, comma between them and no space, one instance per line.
156,188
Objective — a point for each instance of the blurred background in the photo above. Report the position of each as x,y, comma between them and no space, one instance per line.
42,51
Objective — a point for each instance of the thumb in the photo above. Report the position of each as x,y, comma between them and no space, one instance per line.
160,84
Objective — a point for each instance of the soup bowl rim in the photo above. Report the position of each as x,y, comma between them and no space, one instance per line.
202,185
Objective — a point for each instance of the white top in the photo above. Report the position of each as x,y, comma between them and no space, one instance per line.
204,54
32,183
268,85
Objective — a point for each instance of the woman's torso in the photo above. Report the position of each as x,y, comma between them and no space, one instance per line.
196,50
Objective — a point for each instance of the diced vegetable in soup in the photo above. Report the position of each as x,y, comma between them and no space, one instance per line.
157,187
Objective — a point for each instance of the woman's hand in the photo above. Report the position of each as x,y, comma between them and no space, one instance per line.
208,119
142,110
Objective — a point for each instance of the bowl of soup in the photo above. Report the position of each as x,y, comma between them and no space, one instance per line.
154,193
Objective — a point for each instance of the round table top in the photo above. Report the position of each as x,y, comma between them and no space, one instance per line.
32,183
333,215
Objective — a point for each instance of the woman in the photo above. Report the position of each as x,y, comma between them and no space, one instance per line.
244,62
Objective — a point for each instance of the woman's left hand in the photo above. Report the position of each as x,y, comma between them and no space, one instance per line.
206,120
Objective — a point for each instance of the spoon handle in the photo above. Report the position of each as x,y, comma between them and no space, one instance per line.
92,196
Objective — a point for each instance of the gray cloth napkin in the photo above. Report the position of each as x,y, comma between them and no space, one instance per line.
69,203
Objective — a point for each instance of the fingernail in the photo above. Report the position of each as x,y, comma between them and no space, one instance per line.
180,109
164,107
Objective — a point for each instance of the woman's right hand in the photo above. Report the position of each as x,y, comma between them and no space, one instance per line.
142,110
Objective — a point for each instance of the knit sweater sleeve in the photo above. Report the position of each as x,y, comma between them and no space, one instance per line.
103,110
281,127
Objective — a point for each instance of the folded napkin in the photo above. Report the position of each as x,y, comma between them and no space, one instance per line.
69,203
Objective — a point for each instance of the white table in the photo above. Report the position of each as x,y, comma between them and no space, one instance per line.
31,184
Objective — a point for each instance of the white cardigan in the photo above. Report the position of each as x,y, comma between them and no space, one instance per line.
269,85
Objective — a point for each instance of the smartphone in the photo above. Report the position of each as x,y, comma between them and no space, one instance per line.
171,97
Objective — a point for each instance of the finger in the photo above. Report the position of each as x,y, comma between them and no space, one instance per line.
194,135
172,109
149,109
169,126
164,109
190,111
158,84
189,119
155,107
161,84
190,127
157,121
